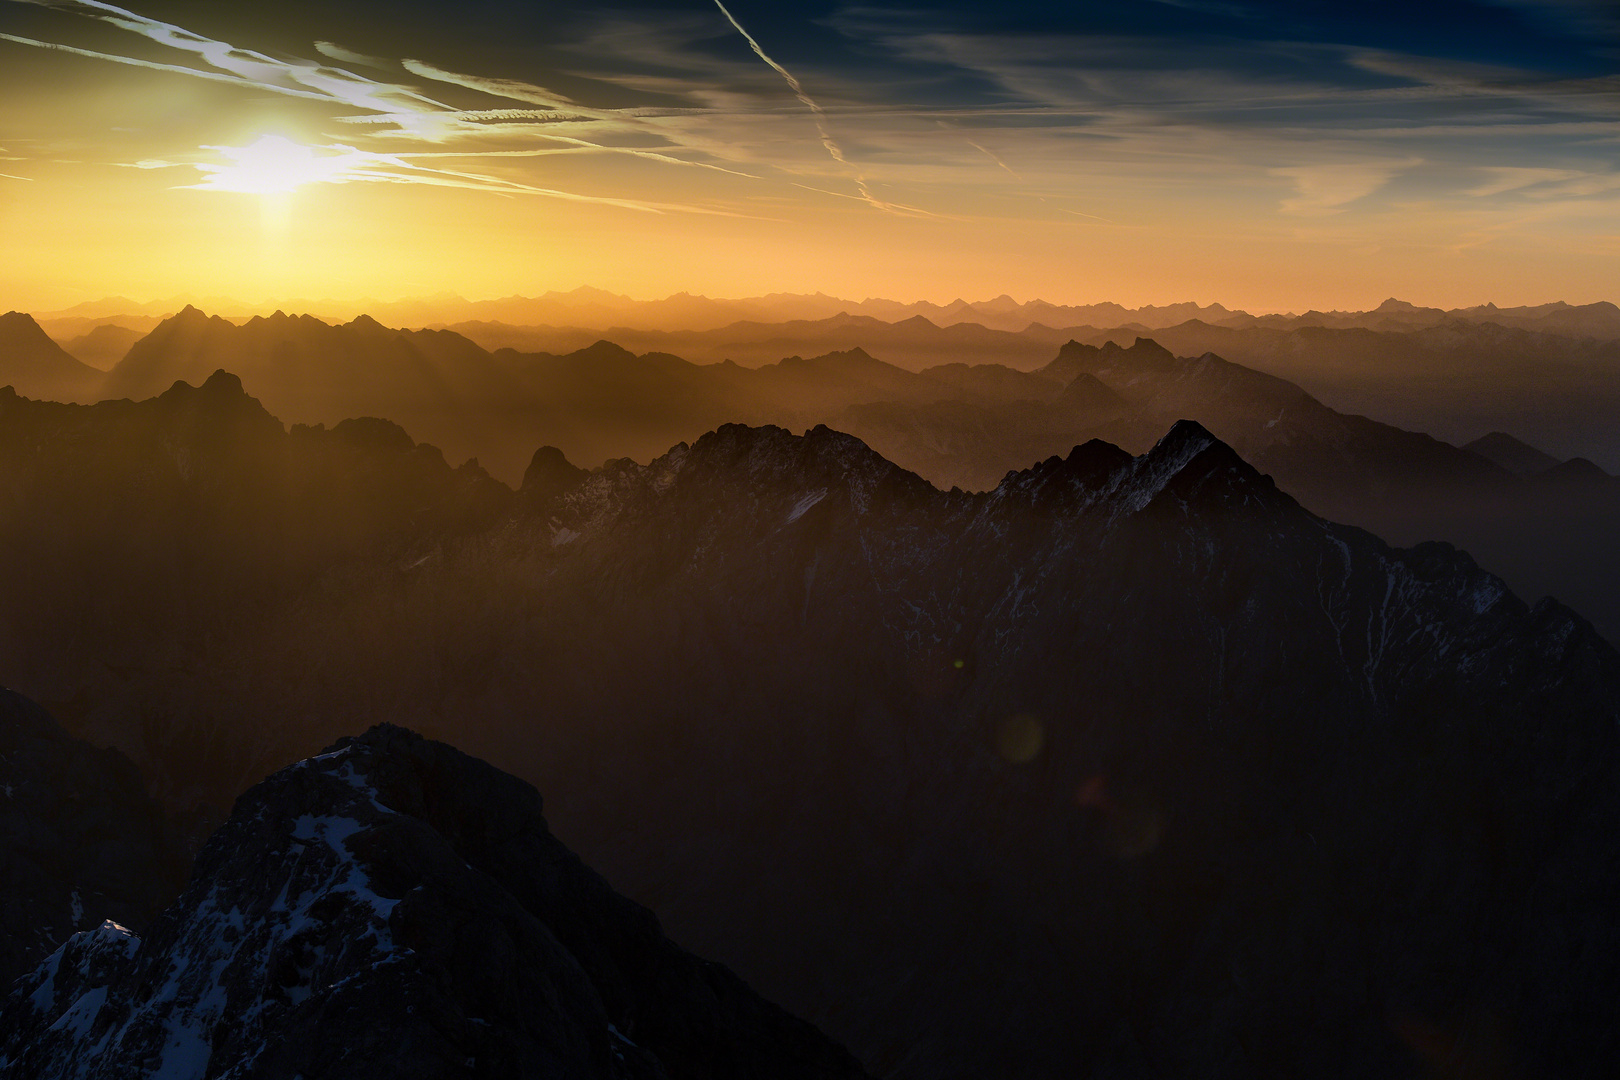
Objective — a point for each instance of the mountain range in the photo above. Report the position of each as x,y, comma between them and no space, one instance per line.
967,425
588,306
1129,765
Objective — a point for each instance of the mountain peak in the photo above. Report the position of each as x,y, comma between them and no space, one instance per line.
1192,465
396,902
219,387
768,456
223,383
1184,437
549,474
17,319
603,349
18,329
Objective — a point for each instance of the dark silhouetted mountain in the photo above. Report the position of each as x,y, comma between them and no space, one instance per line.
959,425
549,475
80,840
153,519
1512,454
914,343
1406,486
396,908
1129,766
1337,464
34,365
103,346
309,372
1193,730
1577,471
1454,380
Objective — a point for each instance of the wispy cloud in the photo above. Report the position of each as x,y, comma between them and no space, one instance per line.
395,110
1330,188
333,51
827,140
1504,179
245,67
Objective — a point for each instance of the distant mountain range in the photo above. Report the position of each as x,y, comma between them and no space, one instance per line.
1128,766
601,309
1547,373
967,425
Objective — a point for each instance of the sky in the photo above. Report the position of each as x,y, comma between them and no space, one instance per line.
1268,156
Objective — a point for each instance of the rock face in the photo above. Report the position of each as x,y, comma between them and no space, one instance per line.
136,523
80,840
1128,767
394,908
1130,762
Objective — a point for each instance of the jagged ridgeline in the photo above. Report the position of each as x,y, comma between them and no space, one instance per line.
1545,530
395,908
1129,766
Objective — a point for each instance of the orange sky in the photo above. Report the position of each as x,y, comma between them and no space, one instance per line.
911,154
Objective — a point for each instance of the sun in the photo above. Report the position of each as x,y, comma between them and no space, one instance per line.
274,165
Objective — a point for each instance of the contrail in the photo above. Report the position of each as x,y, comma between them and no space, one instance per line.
821,116
994,158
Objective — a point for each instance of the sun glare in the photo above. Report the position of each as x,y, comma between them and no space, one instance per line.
273,165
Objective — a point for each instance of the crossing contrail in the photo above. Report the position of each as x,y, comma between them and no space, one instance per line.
821,116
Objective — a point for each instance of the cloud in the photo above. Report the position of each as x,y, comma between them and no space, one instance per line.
1514,178
301,79
274,164
827,140
511,89
396,110
1329,189
349,56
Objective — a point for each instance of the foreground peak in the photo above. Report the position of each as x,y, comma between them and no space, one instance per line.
399,907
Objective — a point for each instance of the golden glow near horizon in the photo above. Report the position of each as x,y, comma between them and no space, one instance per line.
913,152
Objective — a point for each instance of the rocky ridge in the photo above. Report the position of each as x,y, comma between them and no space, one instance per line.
393,908
80,840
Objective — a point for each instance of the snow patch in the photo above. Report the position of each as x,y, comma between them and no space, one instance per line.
1136,485
1484,596
805,503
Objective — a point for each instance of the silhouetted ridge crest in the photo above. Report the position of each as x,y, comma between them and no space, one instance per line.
1512,453
605,350
220,404
374,433
775,456
1075,357
1192,466
856,356
549,475
394,907
1058,482
1577,470
15,322
1086,391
